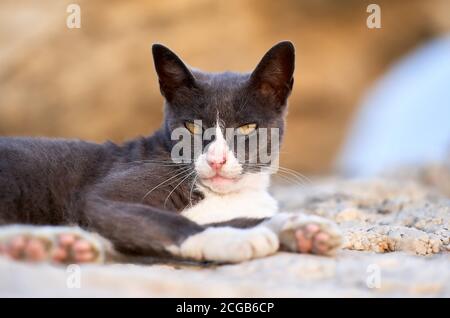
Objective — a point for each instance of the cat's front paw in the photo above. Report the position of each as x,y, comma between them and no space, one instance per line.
306,233
63,245
228,245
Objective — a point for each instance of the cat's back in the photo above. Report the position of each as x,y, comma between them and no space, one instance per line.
39,146
44,173
38,156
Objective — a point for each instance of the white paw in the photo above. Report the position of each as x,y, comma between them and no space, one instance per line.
228,245
306,233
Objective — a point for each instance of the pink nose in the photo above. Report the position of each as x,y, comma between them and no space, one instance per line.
217,164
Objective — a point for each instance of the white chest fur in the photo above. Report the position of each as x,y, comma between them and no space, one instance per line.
244,204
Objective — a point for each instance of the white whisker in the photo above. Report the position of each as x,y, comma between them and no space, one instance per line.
189,174
165,181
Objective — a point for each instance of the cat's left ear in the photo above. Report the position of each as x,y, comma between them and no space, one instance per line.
273,77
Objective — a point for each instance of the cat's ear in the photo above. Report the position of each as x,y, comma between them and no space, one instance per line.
273,77
172,72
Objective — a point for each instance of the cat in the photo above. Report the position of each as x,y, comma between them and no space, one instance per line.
69,201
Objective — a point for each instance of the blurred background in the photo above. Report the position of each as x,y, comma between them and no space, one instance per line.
98,82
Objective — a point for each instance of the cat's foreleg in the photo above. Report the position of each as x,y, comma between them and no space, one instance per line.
136,229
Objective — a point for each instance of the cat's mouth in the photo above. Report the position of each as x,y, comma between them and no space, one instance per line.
219,183
218,179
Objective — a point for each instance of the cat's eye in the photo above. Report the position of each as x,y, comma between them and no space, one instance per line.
246,129
194,128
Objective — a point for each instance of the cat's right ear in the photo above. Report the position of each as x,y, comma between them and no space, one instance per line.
172,72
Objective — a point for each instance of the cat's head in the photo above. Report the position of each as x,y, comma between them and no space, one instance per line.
225,111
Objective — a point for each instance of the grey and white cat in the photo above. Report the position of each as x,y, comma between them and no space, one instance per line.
73,201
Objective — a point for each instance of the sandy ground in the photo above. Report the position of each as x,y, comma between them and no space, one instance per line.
396,244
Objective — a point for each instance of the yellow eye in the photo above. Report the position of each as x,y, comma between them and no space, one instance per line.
193,128
246,129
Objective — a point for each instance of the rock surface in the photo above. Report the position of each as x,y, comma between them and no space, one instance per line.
396,244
